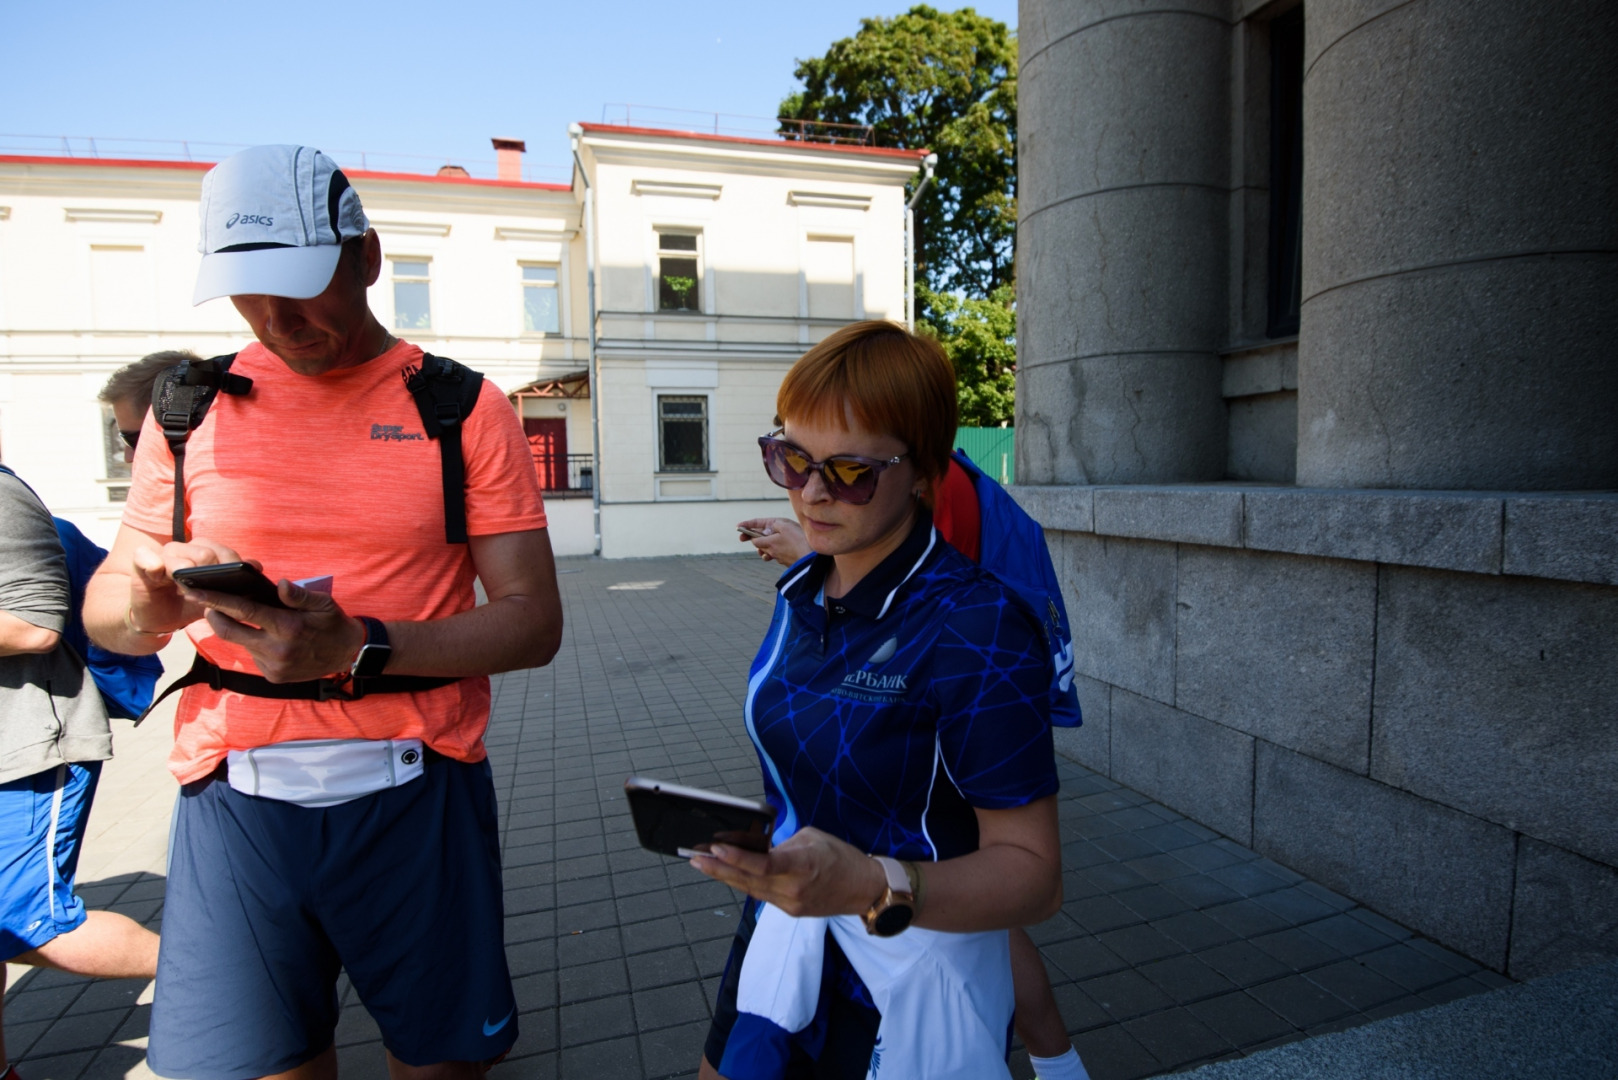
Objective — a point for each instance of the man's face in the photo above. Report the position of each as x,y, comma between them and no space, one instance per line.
325,332
130,415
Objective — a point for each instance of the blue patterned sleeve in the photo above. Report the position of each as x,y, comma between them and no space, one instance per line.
991,680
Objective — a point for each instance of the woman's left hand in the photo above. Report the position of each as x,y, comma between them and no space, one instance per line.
812,873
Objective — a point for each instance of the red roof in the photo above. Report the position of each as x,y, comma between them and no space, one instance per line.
842,148
204,166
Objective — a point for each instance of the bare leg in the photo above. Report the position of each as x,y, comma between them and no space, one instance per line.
323,1066
444,1070
706,1071
1039,1021
105,946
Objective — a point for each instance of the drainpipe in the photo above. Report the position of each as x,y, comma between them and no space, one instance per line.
928,163
574,134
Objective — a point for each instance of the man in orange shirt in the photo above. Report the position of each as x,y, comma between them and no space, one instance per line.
336,808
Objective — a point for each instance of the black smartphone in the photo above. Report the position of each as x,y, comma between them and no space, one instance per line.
236,578
672,819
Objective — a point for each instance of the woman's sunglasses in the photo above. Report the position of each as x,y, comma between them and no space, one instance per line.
848,478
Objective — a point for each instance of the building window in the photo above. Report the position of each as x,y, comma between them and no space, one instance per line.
679,277
1286,173
412,299
541,314
682,433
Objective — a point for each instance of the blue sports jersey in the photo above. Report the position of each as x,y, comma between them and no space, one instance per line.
885,716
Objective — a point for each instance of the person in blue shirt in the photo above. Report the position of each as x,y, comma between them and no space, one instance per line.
976,517
900,706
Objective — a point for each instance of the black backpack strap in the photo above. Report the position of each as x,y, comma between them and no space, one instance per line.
445,394
180,399
333,689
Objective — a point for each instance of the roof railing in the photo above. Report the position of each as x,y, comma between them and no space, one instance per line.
692,121
92,147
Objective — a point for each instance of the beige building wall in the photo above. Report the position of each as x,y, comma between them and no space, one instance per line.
98,260
791,240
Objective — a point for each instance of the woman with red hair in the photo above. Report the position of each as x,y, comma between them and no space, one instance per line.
900,706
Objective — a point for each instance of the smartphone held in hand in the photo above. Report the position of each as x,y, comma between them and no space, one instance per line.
236,578
672,819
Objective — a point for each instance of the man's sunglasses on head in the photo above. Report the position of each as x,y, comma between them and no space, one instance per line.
848,478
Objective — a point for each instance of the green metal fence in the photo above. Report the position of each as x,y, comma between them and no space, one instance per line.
991,449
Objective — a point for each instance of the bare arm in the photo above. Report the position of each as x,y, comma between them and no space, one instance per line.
19,636
132,604
520,626
131,592
782,539
1013,879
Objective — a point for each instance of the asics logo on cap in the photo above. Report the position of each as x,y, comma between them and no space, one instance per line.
250,219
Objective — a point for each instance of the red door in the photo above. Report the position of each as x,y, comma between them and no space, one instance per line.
547,441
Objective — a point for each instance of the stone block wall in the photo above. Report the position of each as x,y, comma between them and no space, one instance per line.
1411,697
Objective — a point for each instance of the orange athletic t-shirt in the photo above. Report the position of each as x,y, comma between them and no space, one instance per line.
332,474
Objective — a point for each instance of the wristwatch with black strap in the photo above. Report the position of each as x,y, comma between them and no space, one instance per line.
375,653
896,907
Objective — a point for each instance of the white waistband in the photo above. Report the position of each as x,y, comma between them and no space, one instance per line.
324,772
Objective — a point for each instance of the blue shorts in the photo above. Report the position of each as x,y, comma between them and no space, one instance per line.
42,820
267,900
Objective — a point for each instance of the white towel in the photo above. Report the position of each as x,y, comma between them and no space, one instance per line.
946,999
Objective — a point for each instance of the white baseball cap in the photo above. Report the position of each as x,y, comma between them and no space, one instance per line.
274,219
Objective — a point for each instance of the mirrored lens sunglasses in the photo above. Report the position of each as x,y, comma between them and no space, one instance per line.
849,478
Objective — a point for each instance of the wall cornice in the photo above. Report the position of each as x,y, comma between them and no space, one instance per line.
785,159
1571,536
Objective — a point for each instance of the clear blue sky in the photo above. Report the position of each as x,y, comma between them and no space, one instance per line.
406,76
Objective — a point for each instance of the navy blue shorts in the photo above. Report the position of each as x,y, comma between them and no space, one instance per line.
267,900
42,820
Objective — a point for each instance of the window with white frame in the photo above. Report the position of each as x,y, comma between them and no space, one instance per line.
412,294
682,433
541,310
679,271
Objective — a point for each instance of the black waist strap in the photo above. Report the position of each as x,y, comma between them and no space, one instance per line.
333,689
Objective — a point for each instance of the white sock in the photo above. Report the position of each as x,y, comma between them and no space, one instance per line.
1065,1067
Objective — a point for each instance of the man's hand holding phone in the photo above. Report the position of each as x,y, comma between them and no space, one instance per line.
156,604
310,637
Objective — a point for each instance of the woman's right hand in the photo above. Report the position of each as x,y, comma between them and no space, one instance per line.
810,873
782,539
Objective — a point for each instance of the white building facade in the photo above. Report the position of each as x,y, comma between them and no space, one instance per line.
718,261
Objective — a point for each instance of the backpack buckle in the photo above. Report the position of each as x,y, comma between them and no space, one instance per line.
175,424
447,413
336,688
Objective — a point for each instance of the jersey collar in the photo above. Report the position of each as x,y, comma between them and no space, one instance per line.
873,596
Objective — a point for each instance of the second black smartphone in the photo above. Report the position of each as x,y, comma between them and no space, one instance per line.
236,578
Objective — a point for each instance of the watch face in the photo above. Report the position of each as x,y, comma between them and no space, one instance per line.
372,659
893,920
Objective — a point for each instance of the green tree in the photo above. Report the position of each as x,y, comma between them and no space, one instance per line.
946,81
980,337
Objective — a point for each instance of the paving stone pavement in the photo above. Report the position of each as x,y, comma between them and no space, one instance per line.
1174,947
